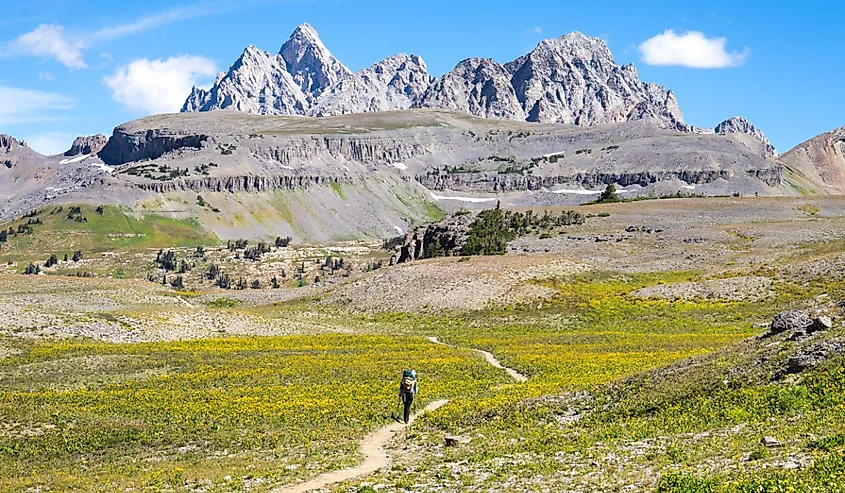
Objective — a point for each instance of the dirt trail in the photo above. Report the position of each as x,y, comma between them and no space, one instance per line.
372,446
494,362
375,457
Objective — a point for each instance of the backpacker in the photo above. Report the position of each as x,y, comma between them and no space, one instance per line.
409,380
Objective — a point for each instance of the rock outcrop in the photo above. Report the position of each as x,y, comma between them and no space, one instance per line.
9,143
810,357
572,79
242,183
124,147
739,124
445,237
91,144
791,320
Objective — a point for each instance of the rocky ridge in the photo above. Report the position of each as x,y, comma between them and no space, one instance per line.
91,144
393,83
572,79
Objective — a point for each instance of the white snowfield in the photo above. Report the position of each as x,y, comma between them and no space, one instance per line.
103,166
585,192
398,229
689,187
464,199
559,153
399,166
76,159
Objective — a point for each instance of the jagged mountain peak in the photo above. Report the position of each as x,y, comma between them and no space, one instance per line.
258,82
739,124
393,83
478,86
399,60
311,64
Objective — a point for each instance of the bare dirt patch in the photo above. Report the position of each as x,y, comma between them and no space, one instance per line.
731,289
455,283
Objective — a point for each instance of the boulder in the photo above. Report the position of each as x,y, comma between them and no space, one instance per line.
454,440
791,320
770,442
821,324
809,358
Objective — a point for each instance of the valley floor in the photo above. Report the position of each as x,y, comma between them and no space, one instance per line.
638,333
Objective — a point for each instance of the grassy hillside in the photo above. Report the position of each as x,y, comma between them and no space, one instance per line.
65,229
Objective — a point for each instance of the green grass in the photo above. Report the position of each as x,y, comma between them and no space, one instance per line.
115,229
338,189
433,212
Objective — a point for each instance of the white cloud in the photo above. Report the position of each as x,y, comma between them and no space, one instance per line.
52,41
158,86
49,40
690,49
45,76
27,105
538,30
49,143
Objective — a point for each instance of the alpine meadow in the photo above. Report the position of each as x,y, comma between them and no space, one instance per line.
525,271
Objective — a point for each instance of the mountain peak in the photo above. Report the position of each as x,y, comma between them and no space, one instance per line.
310,63
739,124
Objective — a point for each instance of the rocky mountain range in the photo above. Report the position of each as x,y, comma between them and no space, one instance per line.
572,79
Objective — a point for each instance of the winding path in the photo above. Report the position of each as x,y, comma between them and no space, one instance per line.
372,446
492,360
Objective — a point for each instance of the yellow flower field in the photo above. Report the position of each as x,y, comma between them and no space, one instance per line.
86,416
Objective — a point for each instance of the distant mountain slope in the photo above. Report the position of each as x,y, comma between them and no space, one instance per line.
818,165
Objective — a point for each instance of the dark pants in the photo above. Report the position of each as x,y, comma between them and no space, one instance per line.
407,400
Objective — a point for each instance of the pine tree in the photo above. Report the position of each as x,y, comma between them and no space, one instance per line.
609,194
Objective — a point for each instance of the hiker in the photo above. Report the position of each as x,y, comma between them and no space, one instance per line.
407,390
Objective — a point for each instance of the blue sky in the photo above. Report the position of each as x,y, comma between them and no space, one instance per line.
72,68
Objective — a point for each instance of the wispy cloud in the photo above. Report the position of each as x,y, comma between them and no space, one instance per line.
27,105
50,40
53,41
538,30
159,19
158,86
690,49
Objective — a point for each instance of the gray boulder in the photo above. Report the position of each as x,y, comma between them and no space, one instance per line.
811,357
791,320
821,324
